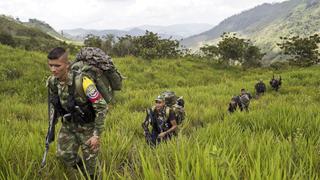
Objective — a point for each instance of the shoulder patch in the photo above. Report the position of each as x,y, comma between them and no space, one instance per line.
90,89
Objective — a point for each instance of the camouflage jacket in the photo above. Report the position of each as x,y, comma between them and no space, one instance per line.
85,91
164,118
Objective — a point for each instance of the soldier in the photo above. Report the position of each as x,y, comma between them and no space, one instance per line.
235,101
275,83
260,88
245,100
82,108
163,122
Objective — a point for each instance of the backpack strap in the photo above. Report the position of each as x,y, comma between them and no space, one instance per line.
82,113
168,109
53,96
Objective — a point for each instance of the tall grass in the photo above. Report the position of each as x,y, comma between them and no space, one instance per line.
277,139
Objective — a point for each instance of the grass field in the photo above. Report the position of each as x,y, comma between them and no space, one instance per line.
277,139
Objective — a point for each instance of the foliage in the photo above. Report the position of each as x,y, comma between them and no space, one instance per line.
16,34
149,46
92,41
252,56
231,49
265,23
210,52
7,39
279,65
108,43
302,51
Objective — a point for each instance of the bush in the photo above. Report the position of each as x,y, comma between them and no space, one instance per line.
278,65
7,39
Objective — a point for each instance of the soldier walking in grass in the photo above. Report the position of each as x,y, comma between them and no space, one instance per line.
245,98
275,83
260,88
234,103
74,97
162,120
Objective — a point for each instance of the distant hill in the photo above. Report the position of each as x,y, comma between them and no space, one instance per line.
32,35
44,27
18,29
178,31
265,23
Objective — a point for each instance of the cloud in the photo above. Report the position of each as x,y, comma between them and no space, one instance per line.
106,14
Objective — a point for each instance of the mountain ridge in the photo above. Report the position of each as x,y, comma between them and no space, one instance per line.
264,24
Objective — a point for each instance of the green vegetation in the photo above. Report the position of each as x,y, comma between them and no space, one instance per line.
29,37
232,48
302,51
277,139
149,46
264,25
44,27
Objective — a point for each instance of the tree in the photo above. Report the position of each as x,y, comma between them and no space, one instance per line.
210,51
301,51
252,56
151,46
108,43
125,46
232,48
92,41
148,46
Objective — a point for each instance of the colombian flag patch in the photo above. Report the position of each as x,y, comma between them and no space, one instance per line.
91,90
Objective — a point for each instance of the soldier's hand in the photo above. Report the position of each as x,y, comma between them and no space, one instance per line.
94,142
161,135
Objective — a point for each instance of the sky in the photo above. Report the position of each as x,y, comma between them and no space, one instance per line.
121,14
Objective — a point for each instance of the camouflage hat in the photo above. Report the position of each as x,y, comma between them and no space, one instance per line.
159,98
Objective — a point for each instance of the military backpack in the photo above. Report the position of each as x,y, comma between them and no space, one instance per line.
94,63
176,104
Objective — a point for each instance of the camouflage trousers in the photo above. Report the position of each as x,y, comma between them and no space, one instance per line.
71,138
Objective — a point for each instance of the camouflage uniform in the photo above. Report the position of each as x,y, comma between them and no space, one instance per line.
73,134
245,101
163,118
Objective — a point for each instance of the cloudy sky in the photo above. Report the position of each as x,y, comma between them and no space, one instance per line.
119,14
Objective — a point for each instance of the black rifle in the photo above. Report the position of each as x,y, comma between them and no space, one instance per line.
53,119
150,120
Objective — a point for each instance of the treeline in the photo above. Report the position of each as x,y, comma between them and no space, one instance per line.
230,50
149,46
298,51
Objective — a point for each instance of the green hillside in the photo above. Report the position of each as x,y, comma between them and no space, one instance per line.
29,36
264,24
277,139
44,27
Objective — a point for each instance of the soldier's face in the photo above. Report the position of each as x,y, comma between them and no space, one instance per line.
59,67
159,105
